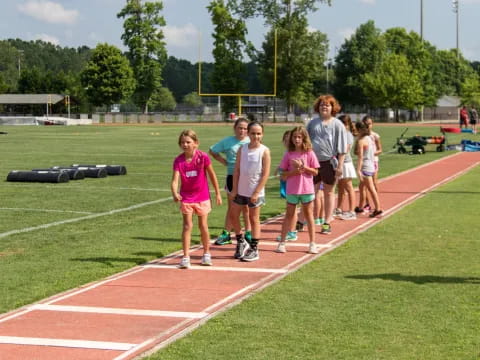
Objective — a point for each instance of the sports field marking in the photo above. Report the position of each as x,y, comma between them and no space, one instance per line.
294,244
47,210
118,311
217,268
85,344
88,217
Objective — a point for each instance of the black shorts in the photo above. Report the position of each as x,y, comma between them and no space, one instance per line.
326,173
229,183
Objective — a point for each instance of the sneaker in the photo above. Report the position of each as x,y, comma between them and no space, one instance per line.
241,250
299,226
348,215
319,221
248,235
251,255
291,236
281,248
376,213
185,263
326,229
224,238
312,248
359,210
207,260
337,212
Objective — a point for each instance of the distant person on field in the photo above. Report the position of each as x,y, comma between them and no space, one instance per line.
299,165
464,117
474,119
365,150
191,169
229,146
329,140
250,176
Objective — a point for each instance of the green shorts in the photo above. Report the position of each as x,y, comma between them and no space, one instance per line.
302,198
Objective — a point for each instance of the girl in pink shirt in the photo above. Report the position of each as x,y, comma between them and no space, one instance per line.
191,168
299,165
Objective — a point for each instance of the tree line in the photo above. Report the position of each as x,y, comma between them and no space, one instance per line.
394,69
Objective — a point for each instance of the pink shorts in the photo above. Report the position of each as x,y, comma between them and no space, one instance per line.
199,208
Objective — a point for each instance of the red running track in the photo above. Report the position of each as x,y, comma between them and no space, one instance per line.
151,305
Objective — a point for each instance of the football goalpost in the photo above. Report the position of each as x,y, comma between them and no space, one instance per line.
239,95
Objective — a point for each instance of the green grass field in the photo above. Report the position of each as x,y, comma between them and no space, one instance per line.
405,289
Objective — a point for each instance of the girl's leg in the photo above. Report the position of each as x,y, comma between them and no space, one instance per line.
246,219
341,191
204,233
288,223
308,211
372,191
351,195
186,233
254,215
329,201
235,211
362,195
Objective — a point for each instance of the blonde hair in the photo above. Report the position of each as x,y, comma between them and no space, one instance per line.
306,143
190,133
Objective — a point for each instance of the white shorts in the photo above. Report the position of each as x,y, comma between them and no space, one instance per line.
349,171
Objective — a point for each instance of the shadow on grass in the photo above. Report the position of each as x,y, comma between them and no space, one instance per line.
111,260
420,280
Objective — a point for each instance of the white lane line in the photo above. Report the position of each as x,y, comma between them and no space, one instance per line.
293,244
47,210
217,268
85,344
88,217
119,311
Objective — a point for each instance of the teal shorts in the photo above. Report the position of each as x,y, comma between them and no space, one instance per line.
302,198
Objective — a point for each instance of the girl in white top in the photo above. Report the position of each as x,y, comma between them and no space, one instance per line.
345,186
251,173
365,150
368,120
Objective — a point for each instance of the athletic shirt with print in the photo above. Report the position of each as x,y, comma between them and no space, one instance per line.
328,139
229,146
368,157
193,176
303,183
251,170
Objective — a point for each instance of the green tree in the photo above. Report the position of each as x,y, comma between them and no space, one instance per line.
229,73
108,78
146,49
192,99
300,53
163,100
358,55
393,84
470,90
31,81
9,59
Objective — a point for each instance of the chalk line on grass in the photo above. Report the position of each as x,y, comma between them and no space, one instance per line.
88,217
46,210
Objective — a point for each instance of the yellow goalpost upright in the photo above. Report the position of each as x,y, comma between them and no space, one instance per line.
239,96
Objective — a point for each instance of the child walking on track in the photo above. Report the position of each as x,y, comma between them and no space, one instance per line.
365,150
252,169
192,167
299,165
345,186
229,146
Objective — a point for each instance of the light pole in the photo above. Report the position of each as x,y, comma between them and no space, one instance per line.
20,54
421,20
455,4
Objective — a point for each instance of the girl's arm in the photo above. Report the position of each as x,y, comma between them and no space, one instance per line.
359,152
174,186
213,180
378,145
265,174
218,157
236,174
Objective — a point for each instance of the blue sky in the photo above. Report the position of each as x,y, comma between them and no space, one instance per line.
75,23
